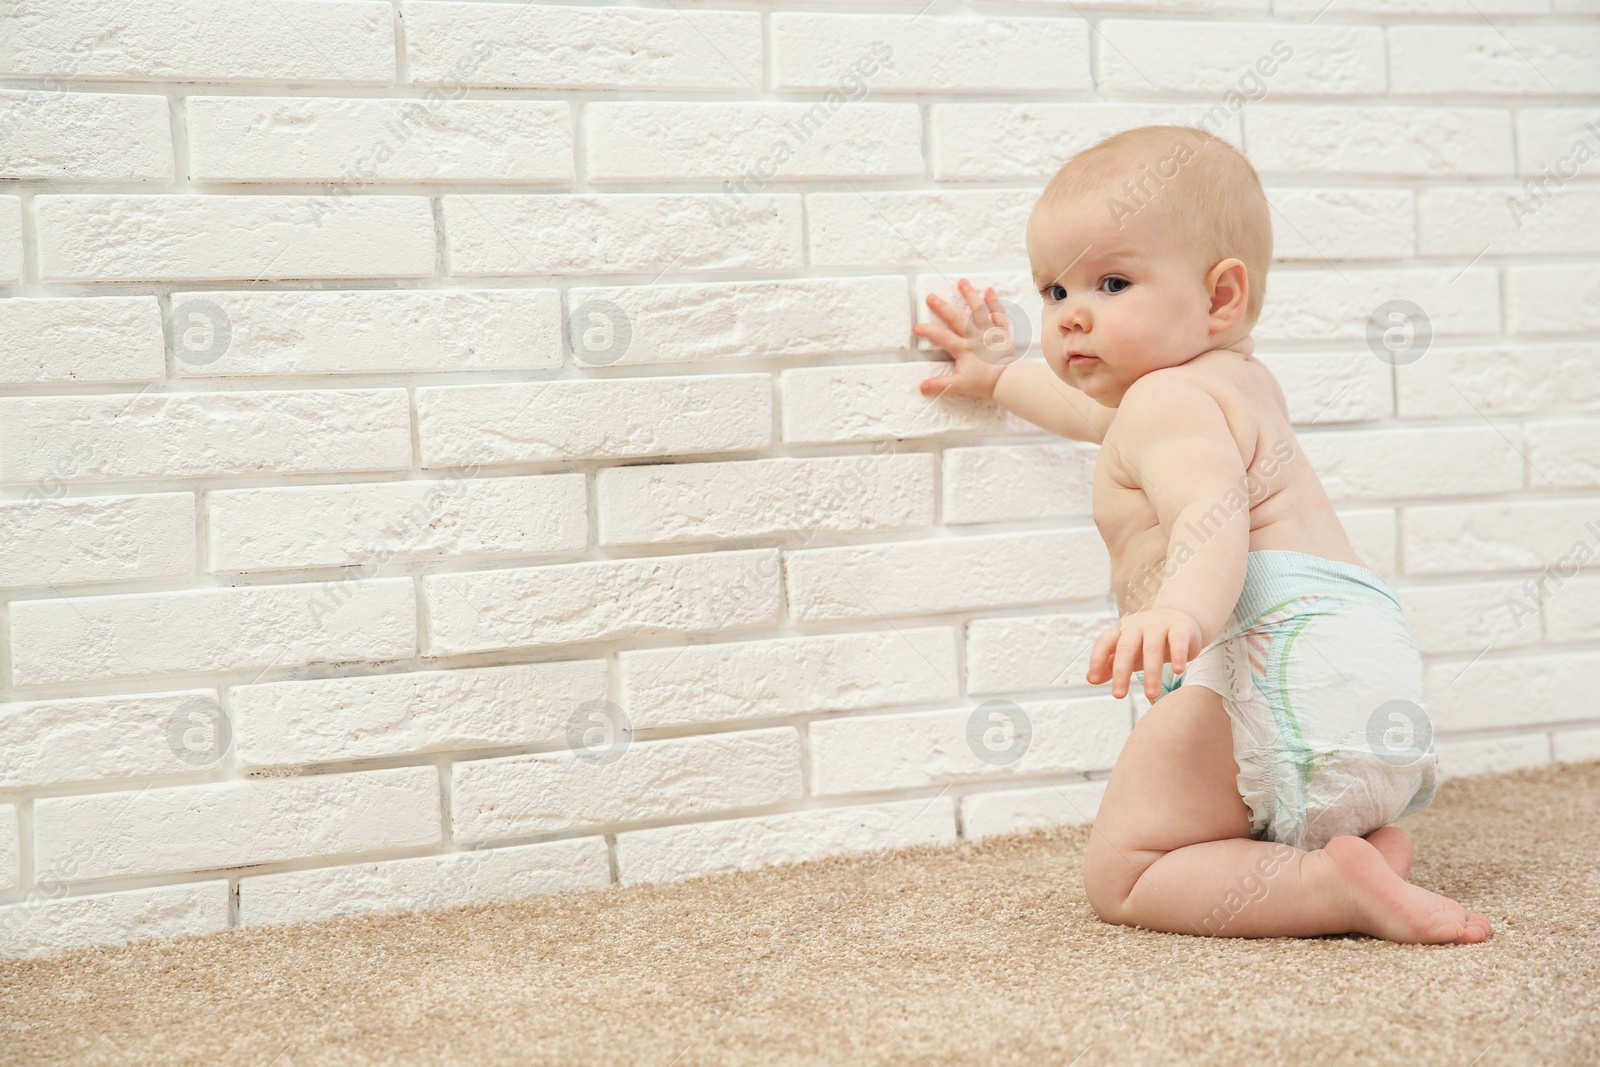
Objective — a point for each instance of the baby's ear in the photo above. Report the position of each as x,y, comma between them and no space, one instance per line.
1228,286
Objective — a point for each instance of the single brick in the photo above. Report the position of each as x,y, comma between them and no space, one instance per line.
1246,61
750,142
1527,535
1509,221
1413,8
870,402
239,823
84,136
620,233
937,53
369,525
357,143
1571,609
1202,7
1500,692
564,47
1001,570
1415,463
1017,811
1495,755
105,339
116,437
239,628
1389,140
988,142
123,237
333,719
44,921
1469,617
1004,483
716,501
1543,59
1557,144
350,42
73,540
875,230
1564,453
95,739
995,738
670,853
791,676
365,331
647,324
1558,298
475,876
1503,380
1336,305
468,425
479,611
1326,224
1324,388
1029,652
517,796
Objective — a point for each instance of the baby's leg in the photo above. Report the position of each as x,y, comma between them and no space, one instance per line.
1394,845
1171,850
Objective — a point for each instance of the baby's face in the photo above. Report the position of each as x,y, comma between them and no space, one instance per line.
1118,302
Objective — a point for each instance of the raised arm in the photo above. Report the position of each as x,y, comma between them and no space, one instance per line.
1032,390
1026,387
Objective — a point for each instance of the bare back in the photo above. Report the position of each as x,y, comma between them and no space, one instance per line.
1288,507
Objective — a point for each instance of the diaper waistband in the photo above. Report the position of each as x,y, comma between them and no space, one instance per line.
1275,575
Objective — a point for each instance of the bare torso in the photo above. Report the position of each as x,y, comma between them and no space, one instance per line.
1288,507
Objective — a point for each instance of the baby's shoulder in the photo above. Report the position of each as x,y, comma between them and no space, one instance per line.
1174,391
1183,399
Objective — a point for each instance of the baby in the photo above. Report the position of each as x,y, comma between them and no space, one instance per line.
1255,800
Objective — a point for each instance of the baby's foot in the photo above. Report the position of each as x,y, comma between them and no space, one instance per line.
1387,906
1394,844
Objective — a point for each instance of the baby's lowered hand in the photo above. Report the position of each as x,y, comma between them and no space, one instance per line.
1153,634
978,337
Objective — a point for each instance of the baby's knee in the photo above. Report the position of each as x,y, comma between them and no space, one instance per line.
1106,883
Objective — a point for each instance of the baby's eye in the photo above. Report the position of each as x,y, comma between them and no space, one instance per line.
1114,284
1054,293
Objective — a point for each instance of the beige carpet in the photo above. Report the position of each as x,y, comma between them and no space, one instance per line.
970,954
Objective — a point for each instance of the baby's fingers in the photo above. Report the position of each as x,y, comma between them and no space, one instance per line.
1180,650
1100,655
953,316
997,311
946,339
1122,667
1155,645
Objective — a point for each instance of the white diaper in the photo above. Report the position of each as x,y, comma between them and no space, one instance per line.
1322,680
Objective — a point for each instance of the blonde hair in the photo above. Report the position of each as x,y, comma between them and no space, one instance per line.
1201,182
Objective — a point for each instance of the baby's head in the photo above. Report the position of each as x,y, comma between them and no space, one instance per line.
1148,249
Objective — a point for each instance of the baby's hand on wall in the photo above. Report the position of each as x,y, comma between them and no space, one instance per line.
978,337
1152,637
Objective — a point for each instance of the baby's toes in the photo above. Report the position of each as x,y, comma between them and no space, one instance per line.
1456,925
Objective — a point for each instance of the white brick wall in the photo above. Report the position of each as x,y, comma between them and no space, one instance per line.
455,451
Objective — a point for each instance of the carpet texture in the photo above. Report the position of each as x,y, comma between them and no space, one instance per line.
968,954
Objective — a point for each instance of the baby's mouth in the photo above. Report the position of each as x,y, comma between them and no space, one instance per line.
1079,359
